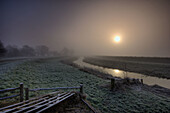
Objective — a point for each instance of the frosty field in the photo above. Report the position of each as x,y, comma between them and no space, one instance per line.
46,73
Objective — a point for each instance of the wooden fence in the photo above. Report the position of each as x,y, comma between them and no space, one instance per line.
27,90
21,94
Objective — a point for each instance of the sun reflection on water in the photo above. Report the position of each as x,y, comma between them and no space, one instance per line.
122,74
116,70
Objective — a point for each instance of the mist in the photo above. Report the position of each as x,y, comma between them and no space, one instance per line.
88,27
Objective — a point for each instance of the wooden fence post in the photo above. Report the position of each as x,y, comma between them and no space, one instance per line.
112,83
81,88
26,94
142,81
21,92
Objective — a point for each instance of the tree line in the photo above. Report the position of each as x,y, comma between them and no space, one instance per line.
28,51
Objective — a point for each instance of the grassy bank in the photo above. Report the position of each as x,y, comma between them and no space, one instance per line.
159,67
46,73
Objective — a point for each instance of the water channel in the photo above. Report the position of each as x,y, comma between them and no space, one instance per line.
119,73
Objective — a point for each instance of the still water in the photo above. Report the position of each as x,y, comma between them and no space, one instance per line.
119,73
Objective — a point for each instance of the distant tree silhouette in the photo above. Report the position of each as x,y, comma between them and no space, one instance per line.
27,51
2,49
13,51
66,52
42,50
54,53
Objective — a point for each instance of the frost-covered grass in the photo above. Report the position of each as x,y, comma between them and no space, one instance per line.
51,73
7,66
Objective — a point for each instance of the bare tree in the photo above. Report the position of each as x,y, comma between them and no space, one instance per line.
67,52
27,51
2,49
13,51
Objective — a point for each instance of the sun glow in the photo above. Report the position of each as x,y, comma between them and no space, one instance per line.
116,70
117,39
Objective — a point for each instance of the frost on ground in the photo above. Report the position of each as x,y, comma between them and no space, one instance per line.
47,73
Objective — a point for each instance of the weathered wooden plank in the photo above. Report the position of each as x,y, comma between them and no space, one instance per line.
24,105
20,103
55,103
27,108
35,107
50,103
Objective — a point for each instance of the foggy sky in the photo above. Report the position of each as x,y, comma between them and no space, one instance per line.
88,26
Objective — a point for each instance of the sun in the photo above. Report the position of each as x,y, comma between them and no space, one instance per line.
117,39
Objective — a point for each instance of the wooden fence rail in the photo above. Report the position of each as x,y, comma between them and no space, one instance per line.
27,90
3,98
39,89
8,90
21,94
